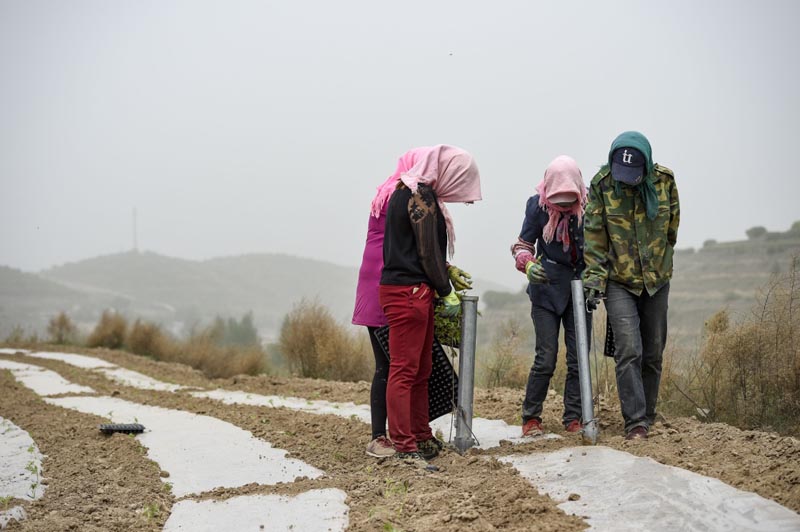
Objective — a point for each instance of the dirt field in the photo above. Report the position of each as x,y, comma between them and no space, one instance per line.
106,483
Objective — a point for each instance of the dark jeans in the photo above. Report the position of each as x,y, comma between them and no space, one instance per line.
546,326
377,393
640,333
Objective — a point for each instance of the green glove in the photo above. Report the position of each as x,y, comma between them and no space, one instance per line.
535,272
461,280
592,299
452,305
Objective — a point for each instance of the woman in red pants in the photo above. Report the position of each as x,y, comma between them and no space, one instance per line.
419,232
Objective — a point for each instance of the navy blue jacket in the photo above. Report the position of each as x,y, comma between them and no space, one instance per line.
561,266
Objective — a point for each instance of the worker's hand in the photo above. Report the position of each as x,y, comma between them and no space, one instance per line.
592,296
452,305
535,272
461,280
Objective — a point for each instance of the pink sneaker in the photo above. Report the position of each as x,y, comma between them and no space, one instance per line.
380,447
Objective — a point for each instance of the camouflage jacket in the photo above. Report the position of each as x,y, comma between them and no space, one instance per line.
622,244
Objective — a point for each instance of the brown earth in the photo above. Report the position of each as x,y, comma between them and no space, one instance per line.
107,483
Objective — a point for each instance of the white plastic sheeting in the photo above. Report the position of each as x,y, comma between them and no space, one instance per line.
11,351
15,512
200,452
42,381
79,361
618,491
135,379
347,410
20,469
489,432
112,371
313,510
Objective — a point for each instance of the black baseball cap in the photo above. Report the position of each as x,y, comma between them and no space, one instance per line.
628,165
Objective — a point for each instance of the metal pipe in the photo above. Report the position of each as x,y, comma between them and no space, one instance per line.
466,373
590,429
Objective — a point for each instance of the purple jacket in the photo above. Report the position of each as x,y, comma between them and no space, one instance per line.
368,309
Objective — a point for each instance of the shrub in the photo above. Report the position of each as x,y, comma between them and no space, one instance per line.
149,340
109,331
316,346
61,329
748,373
506,365
202,352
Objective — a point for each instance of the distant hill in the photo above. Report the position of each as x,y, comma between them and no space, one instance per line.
177,293
719,275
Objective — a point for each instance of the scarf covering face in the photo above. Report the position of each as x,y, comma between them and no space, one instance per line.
385,190
452,174
647,189
561,177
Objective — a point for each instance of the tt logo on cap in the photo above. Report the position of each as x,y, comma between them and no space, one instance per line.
627,158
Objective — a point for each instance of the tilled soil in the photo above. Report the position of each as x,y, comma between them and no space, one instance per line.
97,482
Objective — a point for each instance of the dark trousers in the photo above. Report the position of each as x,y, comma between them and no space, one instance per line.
377,393
409,310
639,324
546,325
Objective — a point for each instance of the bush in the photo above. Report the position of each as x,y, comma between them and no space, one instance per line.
109,331
61,329
748,374
507,364
315,346
202,352
149,340
756,232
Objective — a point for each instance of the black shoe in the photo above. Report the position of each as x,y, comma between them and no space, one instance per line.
430,448
415,459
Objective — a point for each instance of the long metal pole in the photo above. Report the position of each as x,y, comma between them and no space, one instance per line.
590,428
466,373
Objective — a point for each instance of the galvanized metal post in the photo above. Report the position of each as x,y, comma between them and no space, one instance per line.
466,373
590,429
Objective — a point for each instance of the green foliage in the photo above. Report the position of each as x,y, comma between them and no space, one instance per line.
756,232
235,333
61,329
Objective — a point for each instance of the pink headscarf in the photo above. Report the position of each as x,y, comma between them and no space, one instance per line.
452,173
385,190
562,179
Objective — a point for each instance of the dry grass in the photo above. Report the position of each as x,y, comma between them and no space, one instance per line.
316,346
748,373
507,363
109,331
201,351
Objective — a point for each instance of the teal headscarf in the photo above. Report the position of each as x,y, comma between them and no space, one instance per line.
634,139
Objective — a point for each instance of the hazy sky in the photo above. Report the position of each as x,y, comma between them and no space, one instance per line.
236,127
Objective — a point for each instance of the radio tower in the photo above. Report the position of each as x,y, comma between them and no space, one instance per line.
135,239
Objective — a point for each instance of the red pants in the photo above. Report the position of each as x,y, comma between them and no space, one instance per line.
409,310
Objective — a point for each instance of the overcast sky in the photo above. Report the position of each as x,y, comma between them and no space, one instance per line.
238,127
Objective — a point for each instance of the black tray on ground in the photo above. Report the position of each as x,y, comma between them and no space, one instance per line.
443,384
124,428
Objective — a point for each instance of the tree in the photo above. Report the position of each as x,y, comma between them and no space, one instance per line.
756,232
61,329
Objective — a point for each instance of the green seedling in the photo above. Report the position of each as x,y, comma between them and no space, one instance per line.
394,488
168,487
151,510
5,501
